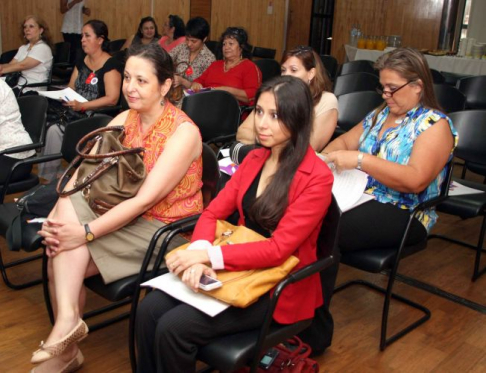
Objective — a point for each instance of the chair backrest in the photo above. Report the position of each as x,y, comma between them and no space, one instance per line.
437,77
8,56
115,45
261,52
269,68
450,98
33,110
473,88
327,243
62,52
331,65
214,46
355,82
358,66
216,113
471,127
210,174
354,106
76,130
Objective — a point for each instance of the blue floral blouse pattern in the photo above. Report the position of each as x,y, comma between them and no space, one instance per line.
396,145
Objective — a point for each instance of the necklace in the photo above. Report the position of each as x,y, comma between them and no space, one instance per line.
228,68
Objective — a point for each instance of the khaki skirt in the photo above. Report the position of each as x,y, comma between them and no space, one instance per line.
120,254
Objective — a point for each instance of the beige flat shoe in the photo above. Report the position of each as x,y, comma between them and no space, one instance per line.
44,353
71,366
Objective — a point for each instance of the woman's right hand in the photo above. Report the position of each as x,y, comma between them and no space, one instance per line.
196,86
192,275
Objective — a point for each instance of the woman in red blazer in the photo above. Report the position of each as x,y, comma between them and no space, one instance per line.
282,191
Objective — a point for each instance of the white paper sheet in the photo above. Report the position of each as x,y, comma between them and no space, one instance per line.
172,285
227,166
348,189
66,94
456,189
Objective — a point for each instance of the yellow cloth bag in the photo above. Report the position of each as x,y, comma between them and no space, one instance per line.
242,288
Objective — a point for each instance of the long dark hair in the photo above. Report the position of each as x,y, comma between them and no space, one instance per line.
142,22
101,31
295,112
310,59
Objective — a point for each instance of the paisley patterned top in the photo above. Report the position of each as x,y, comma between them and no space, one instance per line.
186,198
396,145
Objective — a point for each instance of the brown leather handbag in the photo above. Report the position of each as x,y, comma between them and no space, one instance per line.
242,288
109,175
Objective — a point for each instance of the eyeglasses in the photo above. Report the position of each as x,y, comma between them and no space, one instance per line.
389,94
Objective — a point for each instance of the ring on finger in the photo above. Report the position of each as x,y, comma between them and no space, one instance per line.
191,271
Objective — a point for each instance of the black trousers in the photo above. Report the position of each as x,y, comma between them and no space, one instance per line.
169,332
6,164
75,41
377,225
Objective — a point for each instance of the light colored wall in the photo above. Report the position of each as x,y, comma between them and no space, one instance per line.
477,26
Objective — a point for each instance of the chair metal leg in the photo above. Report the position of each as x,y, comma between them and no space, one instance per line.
384,342
5,266
478,248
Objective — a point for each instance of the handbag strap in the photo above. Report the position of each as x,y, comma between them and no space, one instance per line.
93,136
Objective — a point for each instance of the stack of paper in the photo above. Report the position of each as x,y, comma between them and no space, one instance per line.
348,189
66,94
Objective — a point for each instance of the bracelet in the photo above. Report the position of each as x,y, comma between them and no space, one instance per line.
82,109
360,161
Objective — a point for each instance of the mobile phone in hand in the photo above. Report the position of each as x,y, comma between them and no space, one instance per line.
208,283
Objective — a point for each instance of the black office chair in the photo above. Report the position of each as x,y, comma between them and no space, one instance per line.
355,82
216,113
33,110
331,65
471,126
379,260
269,68
261,52
450,98
437,77
231,352
473,89
215,47
358,66
115,45
354,106
8,56
62,68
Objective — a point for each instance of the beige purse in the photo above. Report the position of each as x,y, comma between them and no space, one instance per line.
242,288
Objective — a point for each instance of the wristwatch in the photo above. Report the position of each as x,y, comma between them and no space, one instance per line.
89,235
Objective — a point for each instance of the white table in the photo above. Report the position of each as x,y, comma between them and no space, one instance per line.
456,65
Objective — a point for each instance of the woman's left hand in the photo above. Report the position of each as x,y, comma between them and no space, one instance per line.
183,259
192,275
343,159
74,105
59,236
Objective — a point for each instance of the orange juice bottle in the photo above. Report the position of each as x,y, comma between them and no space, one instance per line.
370,44
381,44
362,42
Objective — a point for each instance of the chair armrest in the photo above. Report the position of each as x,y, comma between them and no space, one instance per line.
22,148
63,65
108,110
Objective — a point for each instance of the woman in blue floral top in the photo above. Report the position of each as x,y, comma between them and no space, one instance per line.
404,146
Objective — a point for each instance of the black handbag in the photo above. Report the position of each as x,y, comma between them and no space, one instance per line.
58,114
35,203
12,79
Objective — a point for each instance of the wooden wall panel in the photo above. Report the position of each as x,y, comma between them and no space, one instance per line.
417,21
13,13
162,9
300,13
121,16
201,8
264,30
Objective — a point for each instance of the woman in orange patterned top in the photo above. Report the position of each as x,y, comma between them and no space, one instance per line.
81,244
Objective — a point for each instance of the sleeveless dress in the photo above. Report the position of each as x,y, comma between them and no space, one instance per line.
120,254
